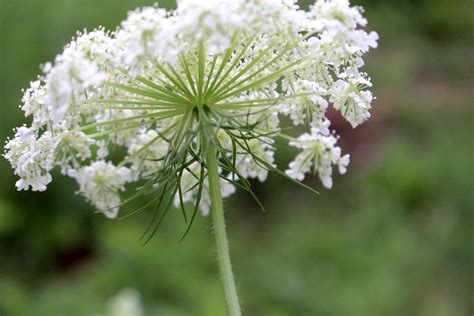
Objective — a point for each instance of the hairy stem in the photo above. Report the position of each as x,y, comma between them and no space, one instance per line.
225,268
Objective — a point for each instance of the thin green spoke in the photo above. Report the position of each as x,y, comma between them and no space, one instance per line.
132,102
201,69
229,85
147,93
133,108
176,80
121,129
209,75
187,73
248,67
164,114
263,101
272,77
237,59
224,61
168,92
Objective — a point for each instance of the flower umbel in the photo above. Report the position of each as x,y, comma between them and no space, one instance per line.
167,85
187,103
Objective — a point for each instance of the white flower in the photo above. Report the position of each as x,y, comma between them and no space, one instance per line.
337,22
335,16
166,85
74,148
351,100
76,69
34,103
102,150
100,183
32,158
308,108
144,33
322,126
319,154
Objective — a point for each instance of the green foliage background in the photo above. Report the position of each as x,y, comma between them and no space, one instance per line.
393,237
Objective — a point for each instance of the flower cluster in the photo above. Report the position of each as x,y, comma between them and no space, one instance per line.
319,153
167,86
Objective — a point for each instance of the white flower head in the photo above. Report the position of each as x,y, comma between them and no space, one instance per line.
32,158
101,183
319,154
34,103
351,99
169,89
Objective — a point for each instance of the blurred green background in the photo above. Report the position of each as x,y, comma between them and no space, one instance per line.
393,237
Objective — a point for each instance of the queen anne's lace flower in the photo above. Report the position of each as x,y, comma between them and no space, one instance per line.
34,103
349,97
101,183
319,154
166,86
32,157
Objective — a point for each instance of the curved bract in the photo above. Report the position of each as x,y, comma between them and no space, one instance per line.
166,85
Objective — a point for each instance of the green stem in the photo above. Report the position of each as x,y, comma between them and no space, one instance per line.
225,268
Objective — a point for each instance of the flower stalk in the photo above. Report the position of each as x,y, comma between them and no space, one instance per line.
223,256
